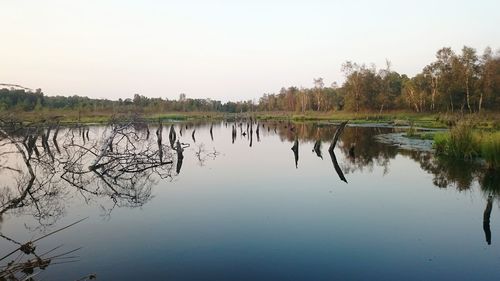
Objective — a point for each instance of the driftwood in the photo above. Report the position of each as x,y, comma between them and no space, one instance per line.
192,135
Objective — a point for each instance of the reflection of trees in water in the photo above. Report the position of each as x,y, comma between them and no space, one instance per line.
122,165
362,152
367,152
202,154
355,142
462,175
36,189
455,173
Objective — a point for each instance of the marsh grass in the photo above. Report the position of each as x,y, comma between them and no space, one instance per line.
464,141
460,142
490,150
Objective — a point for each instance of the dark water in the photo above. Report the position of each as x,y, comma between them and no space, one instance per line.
246,210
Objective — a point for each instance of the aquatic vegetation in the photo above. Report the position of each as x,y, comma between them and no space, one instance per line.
459,142
490,150
464,142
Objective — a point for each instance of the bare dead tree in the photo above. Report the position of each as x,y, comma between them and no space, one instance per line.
121,165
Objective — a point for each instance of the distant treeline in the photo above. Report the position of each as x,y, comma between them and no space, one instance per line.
465,82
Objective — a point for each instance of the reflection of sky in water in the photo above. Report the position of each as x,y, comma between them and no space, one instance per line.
250,214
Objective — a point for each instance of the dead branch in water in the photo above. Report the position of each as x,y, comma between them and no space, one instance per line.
486,219
338,132
317,149
22,268
336,137
295,149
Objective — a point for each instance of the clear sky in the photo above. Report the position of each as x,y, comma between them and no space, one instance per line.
227,50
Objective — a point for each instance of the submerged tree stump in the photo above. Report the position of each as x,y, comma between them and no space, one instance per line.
295,149
338,132
486,219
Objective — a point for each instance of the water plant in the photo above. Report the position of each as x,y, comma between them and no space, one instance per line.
490,150
459,142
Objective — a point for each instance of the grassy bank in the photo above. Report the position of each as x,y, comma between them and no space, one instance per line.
486,121
467,141
96,117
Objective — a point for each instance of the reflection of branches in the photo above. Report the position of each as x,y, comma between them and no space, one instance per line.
121,169
122,165
23,266
203,155
35,191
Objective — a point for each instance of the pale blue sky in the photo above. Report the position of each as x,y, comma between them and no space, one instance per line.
224,49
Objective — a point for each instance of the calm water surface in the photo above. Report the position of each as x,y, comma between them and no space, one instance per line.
245,210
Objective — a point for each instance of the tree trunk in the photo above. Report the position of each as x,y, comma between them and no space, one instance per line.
467,93
451,103
480,102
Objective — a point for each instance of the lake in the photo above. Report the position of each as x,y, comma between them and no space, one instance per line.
242,206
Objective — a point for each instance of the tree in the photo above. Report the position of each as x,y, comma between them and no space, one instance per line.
469,62
445,57
489,73
432,72
353,82
318,86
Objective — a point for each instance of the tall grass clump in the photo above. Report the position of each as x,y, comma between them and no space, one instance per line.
441,141
460,142
490,150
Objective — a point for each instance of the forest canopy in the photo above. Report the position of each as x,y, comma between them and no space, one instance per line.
463,81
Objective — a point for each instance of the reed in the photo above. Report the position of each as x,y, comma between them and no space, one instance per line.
490,150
